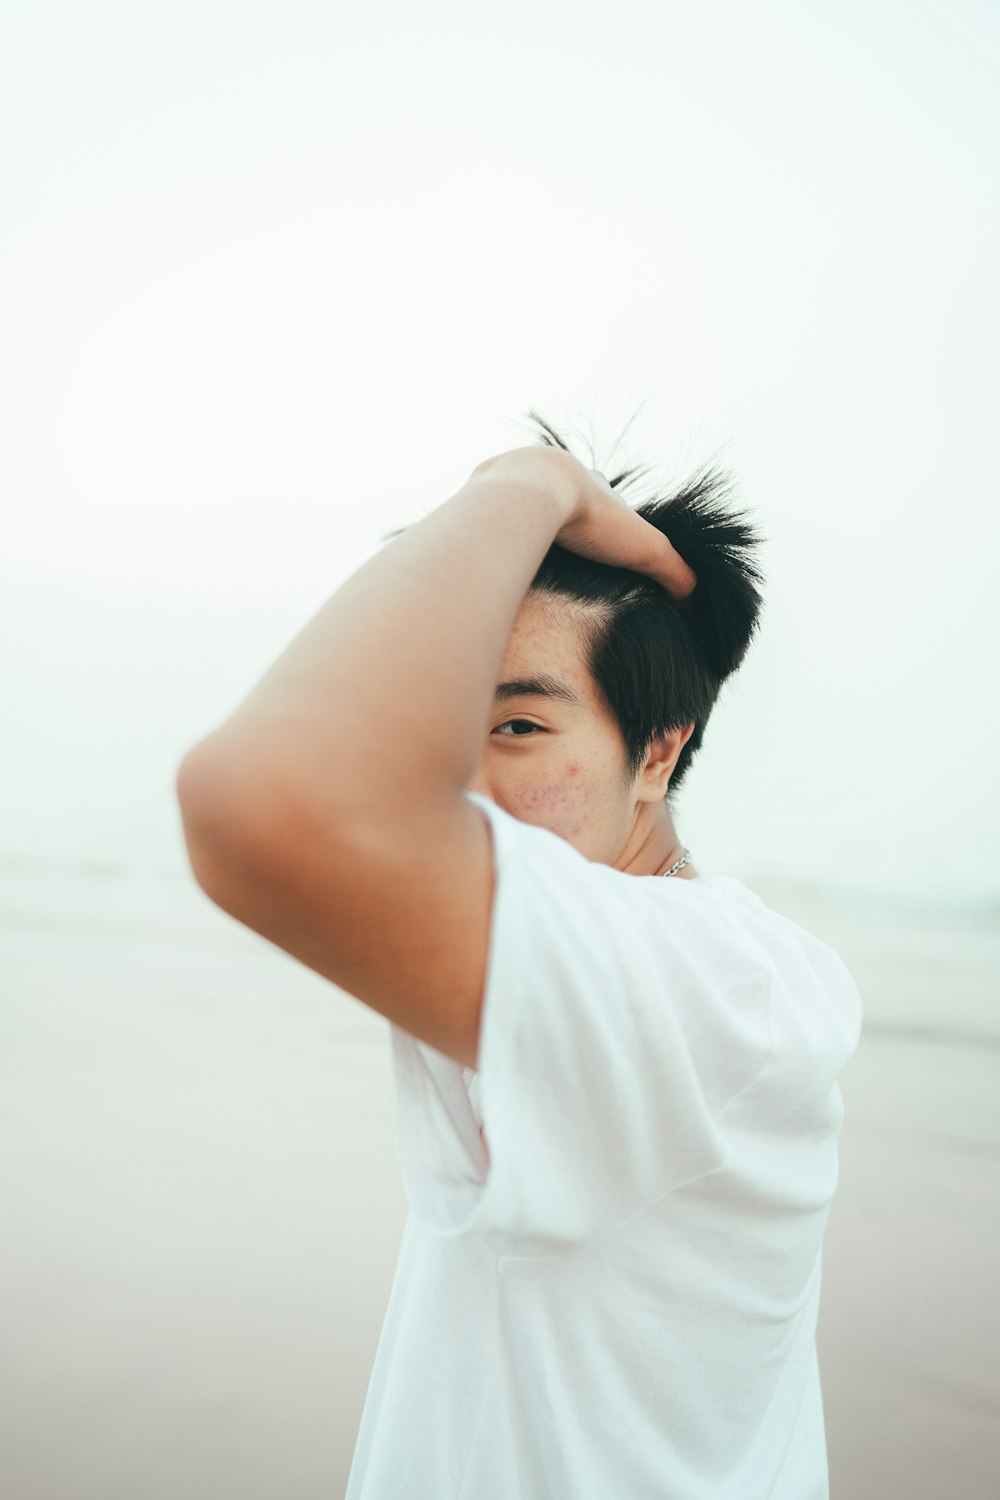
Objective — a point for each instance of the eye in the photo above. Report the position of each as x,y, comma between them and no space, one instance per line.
509,725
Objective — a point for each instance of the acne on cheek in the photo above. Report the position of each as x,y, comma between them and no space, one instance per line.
558,804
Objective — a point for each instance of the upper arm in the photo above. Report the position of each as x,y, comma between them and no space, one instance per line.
398,917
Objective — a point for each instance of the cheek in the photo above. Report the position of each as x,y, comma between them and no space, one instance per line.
561,803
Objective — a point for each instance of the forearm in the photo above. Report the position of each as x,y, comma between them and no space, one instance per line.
382,701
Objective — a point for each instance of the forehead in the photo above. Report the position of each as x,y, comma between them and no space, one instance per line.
547,640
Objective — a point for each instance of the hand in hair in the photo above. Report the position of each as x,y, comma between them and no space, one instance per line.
599,525
606,529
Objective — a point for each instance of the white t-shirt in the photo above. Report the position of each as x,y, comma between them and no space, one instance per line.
609,1279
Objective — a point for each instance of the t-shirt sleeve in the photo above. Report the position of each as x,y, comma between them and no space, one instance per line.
622,1015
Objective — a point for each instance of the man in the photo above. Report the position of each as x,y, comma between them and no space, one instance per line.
617,1100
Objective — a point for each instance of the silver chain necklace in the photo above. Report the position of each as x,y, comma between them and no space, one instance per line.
680,863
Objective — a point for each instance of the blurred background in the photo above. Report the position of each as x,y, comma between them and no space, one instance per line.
273,279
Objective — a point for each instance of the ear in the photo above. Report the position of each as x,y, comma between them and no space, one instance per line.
664,753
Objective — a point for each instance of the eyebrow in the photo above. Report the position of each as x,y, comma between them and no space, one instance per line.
542,686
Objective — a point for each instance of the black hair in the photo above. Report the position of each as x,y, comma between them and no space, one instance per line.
658,664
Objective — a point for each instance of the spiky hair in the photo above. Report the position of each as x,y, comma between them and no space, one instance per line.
659,665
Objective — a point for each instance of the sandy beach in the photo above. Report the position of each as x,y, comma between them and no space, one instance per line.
202,1210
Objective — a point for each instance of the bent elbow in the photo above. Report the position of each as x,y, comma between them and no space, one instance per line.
219,820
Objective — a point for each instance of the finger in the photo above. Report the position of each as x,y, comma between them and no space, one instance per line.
680,579
667,566
660,560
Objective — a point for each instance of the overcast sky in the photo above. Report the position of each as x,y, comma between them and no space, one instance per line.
273,278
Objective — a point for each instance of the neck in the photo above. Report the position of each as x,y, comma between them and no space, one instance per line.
655,845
